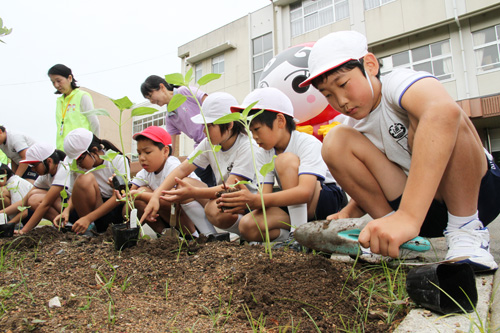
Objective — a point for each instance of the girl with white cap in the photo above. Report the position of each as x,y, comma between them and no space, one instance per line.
93,198
45,198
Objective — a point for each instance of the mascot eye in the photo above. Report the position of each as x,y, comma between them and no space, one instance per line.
295,84
263,84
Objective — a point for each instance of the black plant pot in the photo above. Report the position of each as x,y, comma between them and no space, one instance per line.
456,280
7,230
124,236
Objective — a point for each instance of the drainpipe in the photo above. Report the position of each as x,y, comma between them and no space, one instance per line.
464,65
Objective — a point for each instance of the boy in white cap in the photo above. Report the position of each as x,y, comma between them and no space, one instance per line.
45,198
404,117
154,147
308,191
233,160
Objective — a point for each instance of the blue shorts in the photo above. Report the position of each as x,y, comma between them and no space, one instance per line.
30,174
331,200
102,223
436,219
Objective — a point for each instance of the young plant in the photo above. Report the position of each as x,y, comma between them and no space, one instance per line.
178,99
122,104
246,120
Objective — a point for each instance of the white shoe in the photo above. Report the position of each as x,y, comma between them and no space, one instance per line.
471,240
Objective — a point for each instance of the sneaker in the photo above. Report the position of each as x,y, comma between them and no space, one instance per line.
289,243
471,240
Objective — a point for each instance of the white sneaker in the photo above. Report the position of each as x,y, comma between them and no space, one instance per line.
471,240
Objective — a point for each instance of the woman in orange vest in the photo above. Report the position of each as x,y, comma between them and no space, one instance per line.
71,104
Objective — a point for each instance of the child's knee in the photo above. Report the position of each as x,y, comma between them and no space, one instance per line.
84,181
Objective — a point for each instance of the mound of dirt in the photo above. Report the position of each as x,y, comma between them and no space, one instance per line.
162,286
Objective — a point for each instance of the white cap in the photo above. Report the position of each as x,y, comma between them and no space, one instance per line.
269,98
38,152
77,142
216,105
333,50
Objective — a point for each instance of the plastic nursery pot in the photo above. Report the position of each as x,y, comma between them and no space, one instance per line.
7,230
430,285
124,236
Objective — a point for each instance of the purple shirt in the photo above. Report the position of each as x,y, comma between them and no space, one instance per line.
179,120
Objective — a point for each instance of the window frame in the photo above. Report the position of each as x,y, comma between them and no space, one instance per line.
217,61
302,10
264,53
495,66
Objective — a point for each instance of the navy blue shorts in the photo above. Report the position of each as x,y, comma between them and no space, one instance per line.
102,223
30,174
206,175
331,200
436,219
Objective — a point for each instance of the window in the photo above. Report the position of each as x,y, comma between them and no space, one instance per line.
156,119
262,52
198,73
218,64
308,15
487,48
370,4
433,58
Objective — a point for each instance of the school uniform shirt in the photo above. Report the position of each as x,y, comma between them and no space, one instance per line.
179,120
308,150
16,142
61,178
153,180
18,188
102,175
237,160
387,125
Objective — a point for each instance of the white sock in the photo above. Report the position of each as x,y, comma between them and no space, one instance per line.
195,211
298,215
195,234
455,222
282,236
234,228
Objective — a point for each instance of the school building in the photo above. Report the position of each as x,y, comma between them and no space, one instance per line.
458,41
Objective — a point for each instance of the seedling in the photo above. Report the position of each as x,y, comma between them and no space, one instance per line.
122,104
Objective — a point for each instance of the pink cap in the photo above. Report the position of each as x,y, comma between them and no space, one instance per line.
156,134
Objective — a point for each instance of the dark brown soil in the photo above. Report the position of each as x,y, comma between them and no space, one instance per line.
211,287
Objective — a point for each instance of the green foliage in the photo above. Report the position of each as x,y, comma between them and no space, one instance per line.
175,102
4,31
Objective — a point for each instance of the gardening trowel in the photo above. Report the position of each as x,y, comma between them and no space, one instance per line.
341,236
173,222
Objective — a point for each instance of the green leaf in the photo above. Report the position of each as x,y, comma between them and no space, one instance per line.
123,103
198,153
208,78
110,155
248,109
268,167
235,116
175,102
102,166
64,194
176,79
243,182
189,76
23,208
141,111
217,148
96,112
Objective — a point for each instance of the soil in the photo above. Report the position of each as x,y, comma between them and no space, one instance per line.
161,287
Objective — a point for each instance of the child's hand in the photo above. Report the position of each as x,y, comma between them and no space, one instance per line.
110,180
180,193
387,234
61,219
81,225
236,202
151,211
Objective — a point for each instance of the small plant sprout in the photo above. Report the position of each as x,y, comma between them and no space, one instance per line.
4,31
122,104
245,120
178,99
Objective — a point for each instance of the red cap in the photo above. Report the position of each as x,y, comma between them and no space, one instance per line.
156,134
